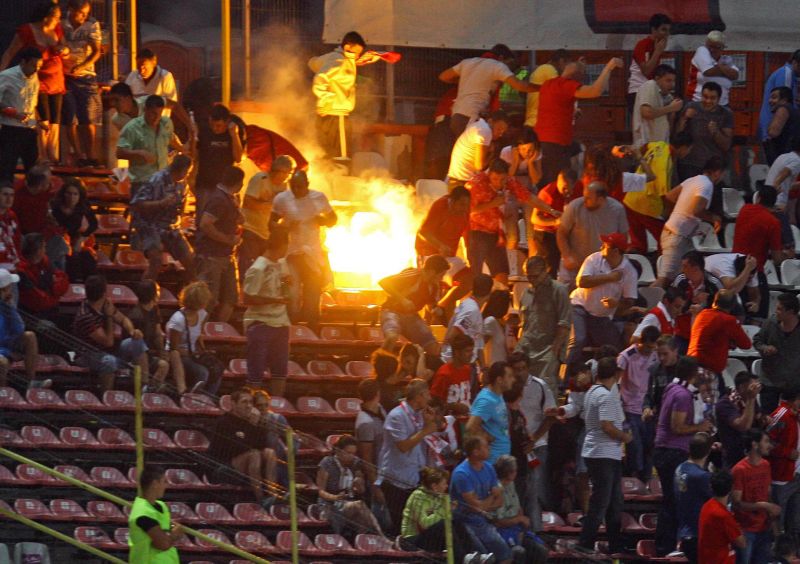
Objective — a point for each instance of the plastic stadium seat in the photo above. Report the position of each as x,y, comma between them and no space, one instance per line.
751,331
179,478
43,398
301,333
374,544
550,519
316,512
282,513
220,332
74,295
10,399
191,440
7,476
73,472
363,161
214,534
119,400
281,405
68,509
238,366
108,477
121,295
78,437
11,438
39,437
182,513
631,525
214,514
732,202
167,299
431,188
358,368
159,403
647,276
83,399
648,521
112,224
652,295
732,368
331,441
113,438
705,239
251,514
323,368
646,548
95,536
199,404
336,544
225,403
632,487
295,369
336,334
283,542
372,334
30,475
121,535
156,438
32,509
30,552
348,406
314,406
253,541
106,512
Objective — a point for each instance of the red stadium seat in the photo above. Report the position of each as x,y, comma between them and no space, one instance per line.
630,525
281,405
182,513
372,334
39,437
121,295
130,260
179,478
336,334
114,438
108,477
295,369
633,487
283,543
7,477
302,334
43,398
358,368
331,441
119,400
11,438
348,406
191,440
254,542
95,536
220,332
78,437
157,439
167,299
225,403
10,399
30,475
646,548
73,472
159,403
238,366
374,544
648,521
654,485
324,369
105,512
551,520
314,406
251,514
121,535
112,224
213,514
214,534
74,295
199,404
336,544
83,399
68,509
32,509
316,512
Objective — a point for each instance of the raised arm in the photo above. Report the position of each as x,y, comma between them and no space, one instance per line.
595,90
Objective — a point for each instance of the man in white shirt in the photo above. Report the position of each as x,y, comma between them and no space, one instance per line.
19,90
467,319
607,285
782,175
737,272
471,151
691,199
710,65
651,115
477,78
151,78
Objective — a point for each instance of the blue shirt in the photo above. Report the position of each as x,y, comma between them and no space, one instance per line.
11,327
491,408
401,469
692,490
466,479
781,77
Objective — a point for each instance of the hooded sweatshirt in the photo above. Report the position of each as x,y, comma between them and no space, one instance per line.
334,82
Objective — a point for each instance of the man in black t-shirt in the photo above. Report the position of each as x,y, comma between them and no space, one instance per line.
240,443
219,232
220,144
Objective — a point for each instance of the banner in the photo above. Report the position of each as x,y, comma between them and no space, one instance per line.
749,25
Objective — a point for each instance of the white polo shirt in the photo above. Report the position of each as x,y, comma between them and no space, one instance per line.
590,298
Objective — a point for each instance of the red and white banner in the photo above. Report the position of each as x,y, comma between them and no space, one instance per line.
749,25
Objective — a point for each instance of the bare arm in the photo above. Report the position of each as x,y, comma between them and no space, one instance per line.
164,540
449,76
322,482
520,85
236,142
650,65
745,420
679,426
474,426
611,430
778,122
595,90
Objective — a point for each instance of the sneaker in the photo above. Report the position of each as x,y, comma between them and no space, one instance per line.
46,383
478,558
198,387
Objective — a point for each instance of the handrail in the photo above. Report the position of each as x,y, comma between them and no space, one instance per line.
61,536
292,495
119,501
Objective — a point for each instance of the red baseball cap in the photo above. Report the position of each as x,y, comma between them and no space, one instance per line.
616,240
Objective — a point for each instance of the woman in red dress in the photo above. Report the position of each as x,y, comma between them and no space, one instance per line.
45,33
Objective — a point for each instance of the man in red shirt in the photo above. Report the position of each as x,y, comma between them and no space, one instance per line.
451,383
31,201
718,529
713,332
444,225
783,431
752,479
556,109
557,195
647,55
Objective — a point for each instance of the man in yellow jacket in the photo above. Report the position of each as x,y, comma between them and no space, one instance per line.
152,535
334,86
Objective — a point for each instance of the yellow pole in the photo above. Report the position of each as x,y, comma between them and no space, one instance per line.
225,52
292,494
60,536
448,529
133,32
113,24
138,425
248,84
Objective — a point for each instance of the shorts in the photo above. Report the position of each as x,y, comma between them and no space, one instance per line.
409,325
220,275
147,239
82,101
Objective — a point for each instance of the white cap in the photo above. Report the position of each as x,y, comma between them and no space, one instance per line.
7,278
716,36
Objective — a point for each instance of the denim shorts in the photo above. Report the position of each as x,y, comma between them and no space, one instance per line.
409,325
82,101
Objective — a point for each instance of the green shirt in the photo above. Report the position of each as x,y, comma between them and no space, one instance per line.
423,509
137,135
543,309
141,546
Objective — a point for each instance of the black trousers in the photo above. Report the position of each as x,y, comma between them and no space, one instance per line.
666,460
554,158
16,143
395,503
328,135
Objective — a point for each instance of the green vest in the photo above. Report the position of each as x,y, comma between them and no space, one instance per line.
142,550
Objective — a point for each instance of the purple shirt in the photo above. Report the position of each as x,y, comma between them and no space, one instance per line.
635,377
676,398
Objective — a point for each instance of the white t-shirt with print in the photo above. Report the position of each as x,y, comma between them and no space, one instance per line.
477,134
476,81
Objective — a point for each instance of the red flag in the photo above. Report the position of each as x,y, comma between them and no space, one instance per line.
264,145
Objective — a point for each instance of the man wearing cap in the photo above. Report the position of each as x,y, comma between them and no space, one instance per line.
606,286
13,337
710,65
584,221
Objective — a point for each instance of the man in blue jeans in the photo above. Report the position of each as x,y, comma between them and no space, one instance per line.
476,490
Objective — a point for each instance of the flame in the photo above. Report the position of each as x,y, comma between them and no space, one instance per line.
374,237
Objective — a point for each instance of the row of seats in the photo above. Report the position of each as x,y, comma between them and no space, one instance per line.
553,523
108,438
